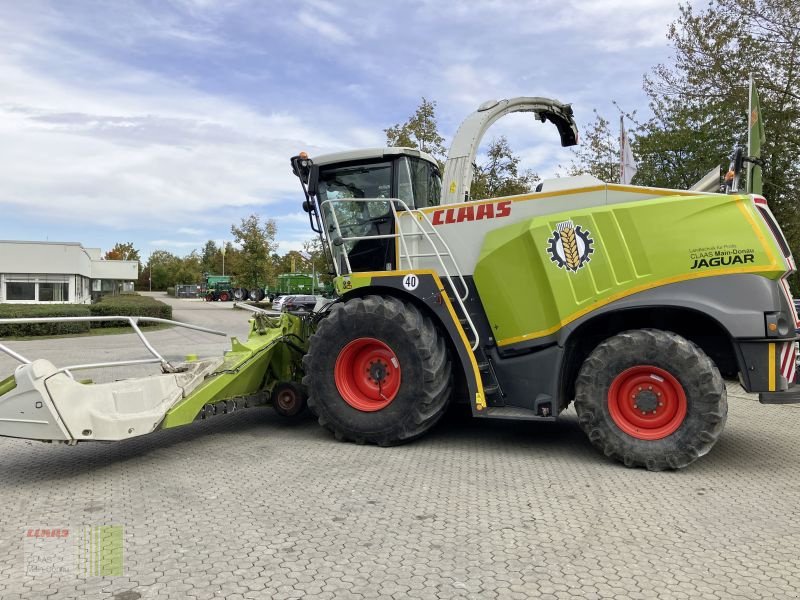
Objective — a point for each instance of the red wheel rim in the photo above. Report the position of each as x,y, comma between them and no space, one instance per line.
647,403
367,374
223,296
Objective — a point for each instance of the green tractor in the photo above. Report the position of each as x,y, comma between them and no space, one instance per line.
217,288
631,304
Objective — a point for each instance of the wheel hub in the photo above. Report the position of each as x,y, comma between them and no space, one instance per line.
647,402
367,374
286,399
378,371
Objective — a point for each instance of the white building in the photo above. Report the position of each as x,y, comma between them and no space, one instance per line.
64,272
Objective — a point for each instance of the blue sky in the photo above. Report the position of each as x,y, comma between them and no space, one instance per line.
163,122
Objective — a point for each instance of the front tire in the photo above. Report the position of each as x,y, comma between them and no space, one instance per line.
651,398
378,371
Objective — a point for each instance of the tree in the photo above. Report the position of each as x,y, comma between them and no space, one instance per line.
319,258
699,102
211,258
160,270
187,269
257,241
500,174
598,152
420,131
122,251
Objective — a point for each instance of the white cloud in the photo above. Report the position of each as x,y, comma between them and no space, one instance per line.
191,231
113,118
325,28
122,147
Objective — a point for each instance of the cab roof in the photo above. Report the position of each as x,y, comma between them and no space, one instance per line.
370,153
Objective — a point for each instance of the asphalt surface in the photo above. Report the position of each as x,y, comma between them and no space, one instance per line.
250,505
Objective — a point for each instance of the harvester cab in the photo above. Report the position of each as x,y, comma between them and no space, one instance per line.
353,197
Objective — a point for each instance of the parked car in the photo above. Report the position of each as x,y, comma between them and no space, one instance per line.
297,303
277,302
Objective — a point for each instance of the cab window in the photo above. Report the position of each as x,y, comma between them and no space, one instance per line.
419,183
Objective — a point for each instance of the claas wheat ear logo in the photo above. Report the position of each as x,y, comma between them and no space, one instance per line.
570,247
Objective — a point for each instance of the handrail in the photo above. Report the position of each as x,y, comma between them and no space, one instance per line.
132,321
404,253
256,309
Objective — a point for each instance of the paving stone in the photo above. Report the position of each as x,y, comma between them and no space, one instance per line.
252,506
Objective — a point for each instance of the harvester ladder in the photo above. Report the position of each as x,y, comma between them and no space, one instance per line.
427,231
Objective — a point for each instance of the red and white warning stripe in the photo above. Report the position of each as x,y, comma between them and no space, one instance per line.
788,360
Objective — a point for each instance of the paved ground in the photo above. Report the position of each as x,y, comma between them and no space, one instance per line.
251,506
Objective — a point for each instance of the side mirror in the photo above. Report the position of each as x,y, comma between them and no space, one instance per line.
734,173
738,160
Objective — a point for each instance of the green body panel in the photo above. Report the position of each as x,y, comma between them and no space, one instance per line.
249,367
7,384
344,283
635,246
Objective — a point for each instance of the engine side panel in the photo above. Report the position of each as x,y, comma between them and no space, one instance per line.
537,276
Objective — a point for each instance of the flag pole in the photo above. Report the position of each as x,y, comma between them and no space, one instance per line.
750,132
621,150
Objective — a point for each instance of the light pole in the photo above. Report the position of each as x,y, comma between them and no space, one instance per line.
223,257
307,256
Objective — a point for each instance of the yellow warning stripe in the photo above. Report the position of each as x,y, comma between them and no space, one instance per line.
771,367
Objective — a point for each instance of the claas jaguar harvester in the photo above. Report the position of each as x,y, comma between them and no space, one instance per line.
633,304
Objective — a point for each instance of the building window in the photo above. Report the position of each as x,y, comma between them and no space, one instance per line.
53,292
20,290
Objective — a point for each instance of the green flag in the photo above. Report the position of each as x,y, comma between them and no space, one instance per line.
755,137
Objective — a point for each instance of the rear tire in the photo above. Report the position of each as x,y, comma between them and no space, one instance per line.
256,295
378,371
651,398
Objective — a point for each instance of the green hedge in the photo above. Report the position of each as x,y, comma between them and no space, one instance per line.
171,291
17,311
126,305
129,305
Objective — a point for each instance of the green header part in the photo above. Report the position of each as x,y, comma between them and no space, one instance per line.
536,276
7,384
248,368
